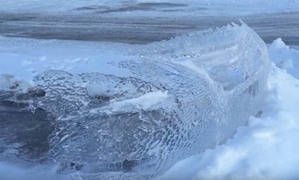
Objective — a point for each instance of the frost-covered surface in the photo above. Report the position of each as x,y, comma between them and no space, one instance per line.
150,7
267,147
179,94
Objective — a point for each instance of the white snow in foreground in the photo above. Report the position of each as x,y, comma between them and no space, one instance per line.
268,147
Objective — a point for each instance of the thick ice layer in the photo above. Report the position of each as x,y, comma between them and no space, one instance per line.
185,95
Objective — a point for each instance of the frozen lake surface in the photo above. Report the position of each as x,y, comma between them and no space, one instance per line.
140,29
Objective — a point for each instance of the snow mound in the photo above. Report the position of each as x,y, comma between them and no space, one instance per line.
267,148
184,95
284,57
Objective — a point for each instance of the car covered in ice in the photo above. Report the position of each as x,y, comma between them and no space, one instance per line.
183,96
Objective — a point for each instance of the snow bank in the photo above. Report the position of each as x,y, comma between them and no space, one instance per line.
267,147
285,57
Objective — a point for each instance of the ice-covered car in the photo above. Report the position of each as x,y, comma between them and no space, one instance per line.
183,96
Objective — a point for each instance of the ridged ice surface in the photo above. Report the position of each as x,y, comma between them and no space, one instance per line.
185,95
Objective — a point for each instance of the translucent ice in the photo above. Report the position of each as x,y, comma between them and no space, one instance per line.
185,95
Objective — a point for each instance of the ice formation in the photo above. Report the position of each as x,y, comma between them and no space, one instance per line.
185,95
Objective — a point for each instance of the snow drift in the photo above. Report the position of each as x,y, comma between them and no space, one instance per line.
183,96
266,148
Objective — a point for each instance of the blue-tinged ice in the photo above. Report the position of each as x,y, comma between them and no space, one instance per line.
184,96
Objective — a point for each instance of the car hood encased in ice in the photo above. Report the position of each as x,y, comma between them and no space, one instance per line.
184,96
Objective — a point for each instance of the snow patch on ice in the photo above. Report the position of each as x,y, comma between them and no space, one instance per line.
9,83
143,102
101,89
